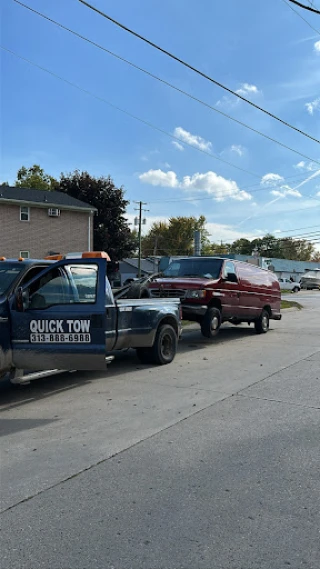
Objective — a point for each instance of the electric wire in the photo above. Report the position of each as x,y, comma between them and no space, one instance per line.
195,70
163,81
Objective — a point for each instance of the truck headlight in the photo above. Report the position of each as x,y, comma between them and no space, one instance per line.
195,294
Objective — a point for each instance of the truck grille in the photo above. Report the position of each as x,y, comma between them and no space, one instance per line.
167,293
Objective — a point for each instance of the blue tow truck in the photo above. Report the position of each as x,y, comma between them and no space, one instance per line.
63,315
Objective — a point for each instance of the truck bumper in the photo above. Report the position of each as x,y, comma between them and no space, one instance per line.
193,311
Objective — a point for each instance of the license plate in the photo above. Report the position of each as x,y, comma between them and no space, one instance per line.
60,338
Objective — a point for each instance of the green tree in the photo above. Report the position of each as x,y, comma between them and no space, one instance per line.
242,247
3,184
35,177
175,237
215,249
111,230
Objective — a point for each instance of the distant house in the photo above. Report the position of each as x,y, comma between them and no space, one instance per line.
129,268
35,223
286,268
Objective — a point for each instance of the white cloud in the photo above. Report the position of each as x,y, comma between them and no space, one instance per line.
318,194
285,191
227,233
317,46
247,89
218,187
313,106
160,178
177,145
237,149
193,139
271,179
308,166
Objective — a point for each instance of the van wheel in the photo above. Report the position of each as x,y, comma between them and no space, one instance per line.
262,324
211,323
295,289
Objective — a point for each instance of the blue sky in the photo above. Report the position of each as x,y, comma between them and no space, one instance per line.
261,49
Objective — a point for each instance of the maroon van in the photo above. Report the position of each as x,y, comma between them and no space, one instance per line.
214,290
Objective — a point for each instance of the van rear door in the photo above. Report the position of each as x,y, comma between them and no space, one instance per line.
58,319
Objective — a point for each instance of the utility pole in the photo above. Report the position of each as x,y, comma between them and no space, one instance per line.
139,221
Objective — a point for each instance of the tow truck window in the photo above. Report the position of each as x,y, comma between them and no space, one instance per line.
51,289
8,274
85,280
204,268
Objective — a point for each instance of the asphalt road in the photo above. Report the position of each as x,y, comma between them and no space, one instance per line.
211,462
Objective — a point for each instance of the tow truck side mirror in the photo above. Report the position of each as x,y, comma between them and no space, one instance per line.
22,300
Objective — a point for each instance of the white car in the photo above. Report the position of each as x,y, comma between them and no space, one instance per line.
287,284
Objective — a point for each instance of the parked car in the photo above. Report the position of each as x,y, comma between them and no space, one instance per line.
214,290
311,280
287,284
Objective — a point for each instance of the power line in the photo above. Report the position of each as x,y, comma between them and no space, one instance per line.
310,8
201,73
131,115
300,16
163,81
150,125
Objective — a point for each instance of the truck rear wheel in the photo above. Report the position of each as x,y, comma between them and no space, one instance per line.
165,345
211,323
262,324
164,348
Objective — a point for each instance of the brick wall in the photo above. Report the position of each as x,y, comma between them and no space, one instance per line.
42,233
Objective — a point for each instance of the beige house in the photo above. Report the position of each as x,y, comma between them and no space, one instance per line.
35,223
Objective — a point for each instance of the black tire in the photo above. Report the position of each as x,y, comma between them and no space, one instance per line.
165,345
211,323
295,289
262,324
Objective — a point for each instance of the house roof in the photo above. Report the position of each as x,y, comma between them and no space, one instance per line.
41,198
147,266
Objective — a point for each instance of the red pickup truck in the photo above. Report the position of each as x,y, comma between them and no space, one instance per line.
214,290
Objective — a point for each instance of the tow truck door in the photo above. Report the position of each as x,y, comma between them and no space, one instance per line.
58,319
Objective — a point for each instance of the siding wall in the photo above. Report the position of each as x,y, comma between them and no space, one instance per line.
42,233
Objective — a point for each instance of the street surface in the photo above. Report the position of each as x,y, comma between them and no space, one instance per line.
211,462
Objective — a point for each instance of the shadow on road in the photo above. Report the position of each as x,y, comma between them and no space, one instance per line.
125,363
10,426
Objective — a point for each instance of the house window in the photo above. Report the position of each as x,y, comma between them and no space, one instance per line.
24,254
24,213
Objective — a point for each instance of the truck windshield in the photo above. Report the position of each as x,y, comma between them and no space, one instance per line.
8,274
204,268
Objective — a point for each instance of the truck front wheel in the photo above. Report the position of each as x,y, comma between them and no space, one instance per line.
211,323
